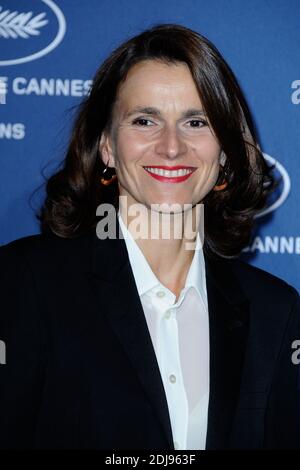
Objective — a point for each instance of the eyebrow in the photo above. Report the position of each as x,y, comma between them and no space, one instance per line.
191,112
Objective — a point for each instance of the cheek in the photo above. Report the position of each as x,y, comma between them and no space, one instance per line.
206,140
210,164
209,150
208,172
209,161
129,147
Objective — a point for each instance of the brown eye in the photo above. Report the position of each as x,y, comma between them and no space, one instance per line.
141,122
198,123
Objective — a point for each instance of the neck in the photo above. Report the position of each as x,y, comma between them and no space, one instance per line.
168,241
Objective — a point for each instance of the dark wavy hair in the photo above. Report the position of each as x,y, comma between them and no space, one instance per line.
74,192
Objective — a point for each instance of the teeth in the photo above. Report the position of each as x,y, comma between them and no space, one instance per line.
168,173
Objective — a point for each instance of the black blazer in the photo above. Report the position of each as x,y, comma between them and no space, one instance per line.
81,371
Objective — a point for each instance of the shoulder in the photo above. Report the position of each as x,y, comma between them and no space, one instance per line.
41,250
24,244
262,285
30,245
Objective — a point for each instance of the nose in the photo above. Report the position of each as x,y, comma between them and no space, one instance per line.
170,143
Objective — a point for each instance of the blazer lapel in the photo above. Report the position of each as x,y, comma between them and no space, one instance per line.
228,320
118,298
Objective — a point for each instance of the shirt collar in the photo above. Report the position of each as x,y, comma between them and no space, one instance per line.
144,276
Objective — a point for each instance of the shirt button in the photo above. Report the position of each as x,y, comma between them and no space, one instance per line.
168,313
176,445
172,378
160,293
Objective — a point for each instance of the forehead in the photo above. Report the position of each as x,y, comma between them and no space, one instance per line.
154,80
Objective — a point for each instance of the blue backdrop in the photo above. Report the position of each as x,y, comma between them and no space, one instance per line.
50,50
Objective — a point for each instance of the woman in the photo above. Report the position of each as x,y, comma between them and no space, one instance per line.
121,341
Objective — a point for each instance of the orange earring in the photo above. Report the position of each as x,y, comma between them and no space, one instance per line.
106,180
224,183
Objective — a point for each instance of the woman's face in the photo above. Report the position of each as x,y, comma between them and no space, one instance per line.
158,121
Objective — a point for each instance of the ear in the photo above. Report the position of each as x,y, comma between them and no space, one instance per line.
105,150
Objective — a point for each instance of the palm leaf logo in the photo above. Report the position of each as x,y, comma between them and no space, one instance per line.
15,25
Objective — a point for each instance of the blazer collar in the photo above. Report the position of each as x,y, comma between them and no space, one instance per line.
228,323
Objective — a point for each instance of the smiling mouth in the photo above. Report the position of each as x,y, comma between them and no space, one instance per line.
174,174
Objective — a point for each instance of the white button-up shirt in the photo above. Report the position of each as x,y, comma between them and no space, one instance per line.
180,336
